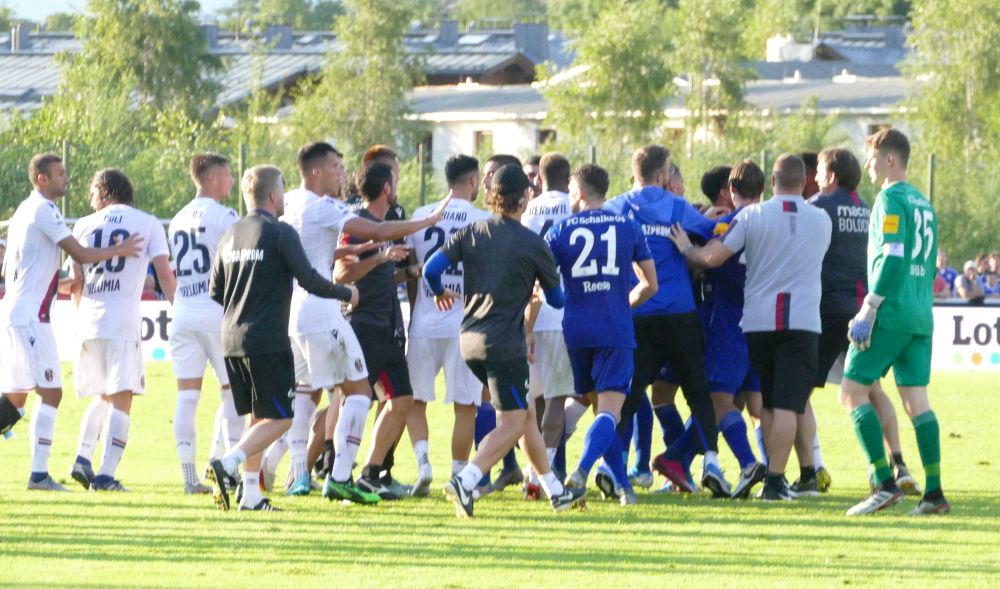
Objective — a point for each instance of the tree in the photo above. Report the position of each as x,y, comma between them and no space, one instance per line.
60,22
313,15
477,10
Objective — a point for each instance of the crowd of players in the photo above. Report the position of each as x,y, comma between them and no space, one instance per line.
553,302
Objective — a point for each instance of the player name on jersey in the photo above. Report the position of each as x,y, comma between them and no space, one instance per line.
853,219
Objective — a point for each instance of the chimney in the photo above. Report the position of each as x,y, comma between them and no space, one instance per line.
448,32
211,33
19,39
532,40
278,36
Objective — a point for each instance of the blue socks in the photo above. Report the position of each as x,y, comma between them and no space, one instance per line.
734,429
643,435
670,423
613,459
83,461
37,477
486,421
559,461
599,438
687,443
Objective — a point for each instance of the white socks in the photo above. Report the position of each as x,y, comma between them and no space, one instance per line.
469,476
551,485
115,438
90,427
422,452
711,458
457,466
251,489
298,435
185,435
41,430
233,424
218,435
347,436
231,462
817,454
551,454
274,453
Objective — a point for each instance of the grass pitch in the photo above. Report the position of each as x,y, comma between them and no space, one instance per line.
157,537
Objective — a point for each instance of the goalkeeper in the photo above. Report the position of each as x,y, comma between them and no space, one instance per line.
895,323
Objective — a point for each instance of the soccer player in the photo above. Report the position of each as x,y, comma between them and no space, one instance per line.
29,359
110,364
533,169
894,325
502,260
196,329
550,376
595,251
434,333
781,303
666,326
809,158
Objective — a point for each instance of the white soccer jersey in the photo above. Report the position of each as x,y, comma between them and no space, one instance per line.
542,213
319,221
31,264
426,321
194,236
109,305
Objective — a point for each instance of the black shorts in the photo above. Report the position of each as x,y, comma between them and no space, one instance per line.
832,343
263,384
506,379
786,363
385,358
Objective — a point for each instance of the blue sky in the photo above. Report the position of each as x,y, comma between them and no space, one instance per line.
39,9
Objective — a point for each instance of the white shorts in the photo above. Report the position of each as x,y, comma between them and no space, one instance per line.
551,375
191,350
108,366
326,359
425,357
29,358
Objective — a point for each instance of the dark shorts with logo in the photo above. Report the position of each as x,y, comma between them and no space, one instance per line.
263,384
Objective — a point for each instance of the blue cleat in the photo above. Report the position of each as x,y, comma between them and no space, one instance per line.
302,486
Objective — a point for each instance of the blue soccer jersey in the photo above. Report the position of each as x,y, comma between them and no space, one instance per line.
656,210
594,250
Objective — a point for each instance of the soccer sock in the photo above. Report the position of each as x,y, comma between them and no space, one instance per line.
41,430
90,429
298,435
251,489
559,461
232,460
347,436
929,443
185,435
550,454
643,437
685,443
869,432
897,459
670,423
457,466
551,485
469,476
486,421
115,439
807,473
598,439
233,424
422,452
711,459
574,411
817,453
614,459
390,460
274,453
759,430
734,429
510,461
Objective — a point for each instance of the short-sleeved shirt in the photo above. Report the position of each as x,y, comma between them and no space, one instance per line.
845,278
544,211
656,211
193,237
319,221
31,264
594,250
378,304
904,226
949,275
426,320
502,261
784,241
109,304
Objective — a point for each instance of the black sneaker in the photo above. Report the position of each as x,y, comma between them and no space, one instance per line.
749,477
570,496
606,485
376,486
776,491
264,505
457,494
222,481
806,488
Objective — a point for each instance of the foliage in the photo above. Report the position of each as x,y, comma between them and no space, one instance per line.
479,10
60,22
310,15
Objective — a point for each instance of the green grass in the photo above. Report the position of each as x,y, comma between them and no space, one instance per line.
158,537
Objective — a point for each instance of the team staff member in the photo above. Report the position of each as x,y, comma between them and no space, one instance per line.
252,280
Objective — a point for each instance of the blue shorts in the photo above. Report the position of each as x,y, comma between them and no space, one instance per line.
727,359
602,369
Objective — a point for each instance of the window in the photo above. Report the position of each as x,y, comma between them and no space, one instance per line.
483,142
546,136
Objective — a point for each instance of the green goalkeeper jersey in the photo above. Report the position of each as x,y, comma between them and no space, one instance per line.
902,255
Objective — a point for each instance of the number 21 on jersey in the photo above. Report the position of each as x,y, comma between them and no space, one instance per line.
585,266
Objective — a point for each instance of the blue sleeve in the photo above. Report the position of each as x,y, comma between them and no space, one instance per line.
555,297
433,270
552,239
642,251
695,222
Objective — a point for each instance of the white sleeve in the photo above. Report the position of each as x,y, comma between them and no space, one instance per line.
51,224
156,241
226,219
735,238
334,214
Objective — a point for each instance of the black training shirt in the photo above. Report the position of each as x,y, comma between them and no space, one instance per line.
845,271
378,304
252,279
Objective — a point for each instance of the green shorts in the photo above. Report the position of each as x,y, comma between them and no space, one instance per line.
908,354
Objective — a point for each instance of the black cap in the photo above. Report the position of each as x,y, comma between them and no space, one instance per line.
511,179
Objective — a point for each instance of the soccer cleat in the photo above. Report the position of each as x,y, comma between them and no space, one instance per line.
209,475
667,487
46,484
376,487
570,496
531,492
906,482
508,478
422,486
483,490
457,494
807,488
348,491
674,471
606,485
823,479
749,477
641,479
576,480
781,493
82,474
267,477
884,496
222,481
301,487
263,505
196,489
396,487
932,507
713,480
104,482
627,498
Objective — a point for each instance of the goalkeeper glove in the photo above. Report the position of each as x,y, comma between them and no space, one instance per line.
859,330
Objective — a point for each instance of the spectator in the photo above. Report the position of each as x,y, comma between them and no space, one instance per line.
967,285
941,288
991,285
946,272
